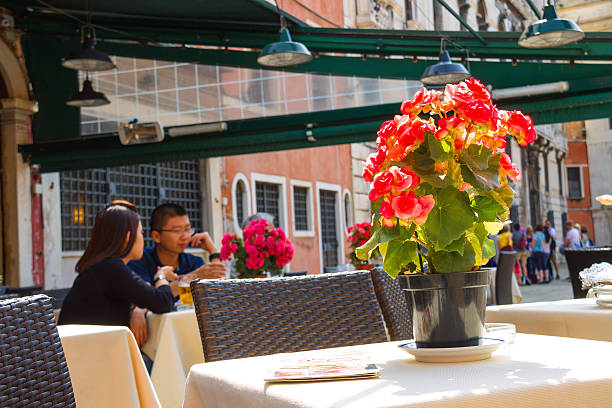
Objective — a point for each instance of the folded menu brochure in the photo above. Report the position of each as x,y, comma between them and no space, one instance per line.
324,365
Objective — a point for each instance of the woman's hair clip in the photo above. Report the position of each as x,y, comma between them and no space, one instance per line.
123,203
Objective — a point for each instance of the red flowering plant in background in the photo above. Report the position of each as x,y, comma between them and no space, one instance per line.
262,249
439,180
359,234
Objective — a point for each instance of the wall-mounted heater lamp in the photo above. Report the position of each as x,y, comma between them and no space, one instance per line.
139,133
213,127
530,90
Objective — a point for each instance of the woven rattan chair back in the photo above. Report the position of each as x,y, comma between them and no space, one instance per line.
251,317
33,370
393,304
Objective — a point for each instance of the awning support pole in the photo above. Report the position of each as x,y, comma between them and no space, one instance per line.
463,22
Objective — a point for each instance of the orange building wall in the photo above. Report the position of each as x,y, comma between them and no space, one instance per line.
579,210
331,10
330,165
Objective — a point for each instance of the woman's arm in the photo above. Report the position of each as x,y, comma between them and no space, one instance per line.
128,286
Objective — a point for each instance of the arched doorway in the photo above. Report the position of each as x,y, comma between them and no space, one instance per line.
16,107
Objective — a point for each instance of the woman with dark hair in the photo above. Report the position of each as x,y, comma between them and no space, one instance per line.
105,289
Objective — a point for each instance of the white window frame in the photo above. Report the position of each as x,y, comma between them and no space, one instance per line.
339,220
345,194
309,208
247,206
566,181
282,205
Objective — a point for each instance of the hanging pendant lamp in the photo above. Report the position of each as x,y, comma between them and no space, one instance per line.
88,58
550,31
284,53
87,96
445,71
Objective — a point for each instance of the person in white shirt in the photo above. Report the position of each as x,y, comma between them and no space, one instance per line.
572,237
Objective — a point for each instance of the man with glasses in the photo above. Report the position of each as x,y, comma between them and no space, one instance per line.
172,233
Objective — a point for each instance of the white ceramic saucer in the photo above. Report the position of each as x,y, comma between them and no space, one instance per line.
453,354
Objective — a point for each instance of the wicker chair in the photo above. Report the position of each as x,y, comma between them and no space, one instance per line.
581,258
251,317
8,296
295,273
33,370
394,305
503,277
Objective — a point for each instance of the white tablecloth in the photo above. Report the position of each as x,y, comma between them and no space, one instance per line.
106,368
535,371
579,318
174,345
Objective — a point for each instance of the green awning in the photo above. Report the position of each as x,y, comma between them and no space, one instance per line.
339,126
232,32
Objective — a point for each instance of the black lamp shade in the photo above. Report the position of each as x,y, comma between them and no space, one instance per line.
87,97
88,59
444,72
284,53
550,31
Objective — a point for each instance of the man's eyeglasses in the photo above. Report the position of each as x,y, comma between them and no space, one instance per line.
186,231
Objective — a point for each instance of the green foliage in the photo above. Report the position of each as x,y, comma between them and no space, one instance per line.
462,172
398,255
449,219
440,150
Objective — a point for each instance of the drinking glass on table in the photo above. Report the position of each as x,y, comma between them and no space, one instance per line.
185,297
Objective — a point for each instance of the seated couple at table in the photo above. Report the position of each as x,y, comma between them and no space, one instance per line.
107,291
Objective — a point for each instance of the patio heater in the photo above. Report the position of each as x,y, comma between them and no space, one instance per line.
551,31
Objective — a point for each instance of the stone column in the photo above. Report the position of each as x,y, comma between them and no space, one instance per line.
16,195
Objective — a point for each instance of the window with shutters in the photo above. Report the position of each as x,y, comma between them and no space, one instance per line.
301,195
574,182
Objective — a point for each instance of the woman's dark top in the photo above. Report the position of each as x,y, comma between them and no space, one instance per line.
104,292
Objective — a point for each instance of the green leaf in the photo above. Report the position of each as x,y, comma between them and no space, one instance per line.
481,244
450,217
478,182
504,195
440,150
486,208
398,232
477,157
493,227
488,249
420,160
364,251
397,256
455,246
446,262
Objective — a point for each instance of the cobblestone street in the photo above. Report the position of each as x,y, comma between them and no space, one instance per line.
556,290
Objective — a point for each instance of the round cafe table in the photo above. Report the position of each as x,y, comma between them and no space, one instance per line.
106,368
174,345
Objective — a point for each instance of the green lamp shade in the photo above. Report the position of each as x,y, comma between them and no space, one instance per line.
551,31
284,53
88,59
444,72
87,97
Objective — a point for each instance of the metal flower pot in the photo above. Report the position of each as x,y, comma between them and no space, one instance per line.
448,310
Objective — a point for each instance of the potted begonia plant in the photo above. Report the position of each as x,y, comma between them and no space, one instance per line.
439,188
